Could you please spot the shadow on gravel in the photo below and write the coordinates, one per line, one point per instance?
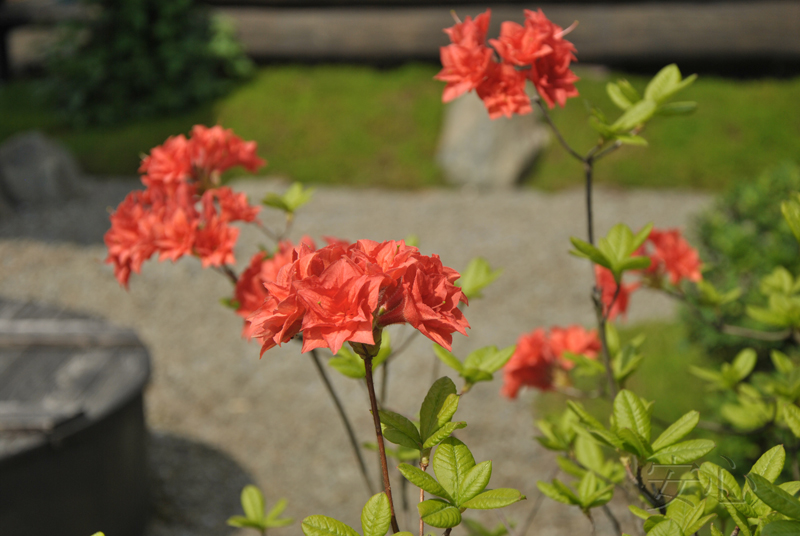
(82, 220)
(194, 487)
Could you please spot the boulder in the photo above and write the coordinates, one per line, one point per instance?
(480, 152)
(36, 170)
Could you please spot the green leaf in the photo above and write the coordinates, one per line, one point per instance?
(601, 127)
(628, 90)
(451, 462)
(700, 523)
(677, 108)
(636, 115)
(275, 201)
(791, 414)
(447, 410)
(325, 526)
(744, 363)
(423, 480)
(617, 96)
(638, 512)
(633, 442)
(434, 400)
(588, 251)
(495, 498)
(684, 452)
(558, 492)
(273, 521)
(588, 453)
(791, 212)
(297, 196)
(348, 364)
(630, 412)
(677, 431)
(475, 481)
(253, 503)
(376, 516)
(439, 514)
(447, 358)
(393, 435)
(477, 276)
(739, 519)
(780, 500)
(583, 415)
(781, 527)
(394, 420)
(663, 84)
(715, 531)
(770, 464)
(781, 361)
(719, 483)
(569, 467)
(666, 528)
(439, 435)
(489, 358)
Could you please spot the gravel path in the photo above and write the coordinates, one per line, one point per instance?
(222, 418)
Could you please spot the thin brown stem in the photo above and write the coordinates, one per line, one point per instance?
(613, 388)
(611, 517)
(228, 272)
(560, 138)
(267, 232)
(447, 532)
(345, 420)
(735, 531)
(387, 485)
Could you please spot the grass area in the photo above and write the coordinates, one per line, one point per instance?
(361, 126)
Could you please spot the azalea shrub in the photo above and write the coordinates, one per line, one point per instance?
(338, 301)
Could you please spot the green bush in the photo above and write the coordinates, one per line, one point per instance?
(142, 58)
(742, 238)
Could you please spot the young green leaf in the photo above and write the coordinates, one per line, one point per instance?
(791, 414)
(666, 528)
(273, 519)
(489, 358)
(376, 516)
(325, 526)
(451, 462)
(781, 361)
(783, 527)
(439, 514)
(780, 500)
(442, 433)
(791, 212)
(633, 443)
(744, 362)
(495, 498)
(630, 412)
(423, 480)
(677, 431)
(636, 115)
(253, 503)
(770, 464)
(404, 426)
(638, 512)
(434, 400)
(475, 481)
(477, 276)
(617, 96)
(677, 108)
(588, 251)
(718, 482)
(684, 452)
(637, 141)
(739, 519)
(560, 493)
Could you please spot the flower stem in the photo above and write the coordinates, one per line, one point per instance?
(424, 466)
(348, 427)
(387, 485)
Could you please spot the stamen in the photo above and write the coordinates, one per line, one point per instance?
(565, 31)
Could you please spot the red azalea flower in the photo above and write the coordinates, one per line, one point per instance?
(673, 255)
(521, 45)
(470, 33)
(550, 73)
(463, 68)
(503, 92)
(531, 365)
(130, 240)
(342, 293)
(608, 288)
(574, 339)
(233, 206)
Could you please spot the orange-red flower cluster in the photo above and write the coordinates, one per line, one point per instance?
(615, 302)
(182, 211)
(670, 254)
(535, 51)
(343, 292)
(540, 355)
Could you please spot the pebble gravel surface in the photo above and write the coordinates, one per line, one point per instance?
(221, 417)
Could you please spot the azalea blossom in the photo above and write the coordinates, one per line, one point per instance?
(535, 51)
(671, 254)
(539, 358)
(182, 211)
(614, 302)
(344, 293)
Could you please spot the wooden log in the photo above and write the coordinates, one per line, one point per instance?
(610, 32)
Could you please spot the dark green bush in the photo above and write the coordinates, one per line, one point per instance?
(141, 58)
(741, 239)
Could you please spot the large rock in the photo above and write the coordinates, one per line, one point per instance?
(36, 170)
(477, 151)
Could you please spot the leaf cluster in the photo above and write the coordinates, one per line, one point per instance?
(615, 249)
(376, 518)
(254, 512)
(477, 276)
(349, 364)
(479, 366)
(295, 197)
(460, 484)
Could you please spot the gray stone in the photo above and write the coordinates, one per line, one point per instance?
(477, 151)
(36, 170)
